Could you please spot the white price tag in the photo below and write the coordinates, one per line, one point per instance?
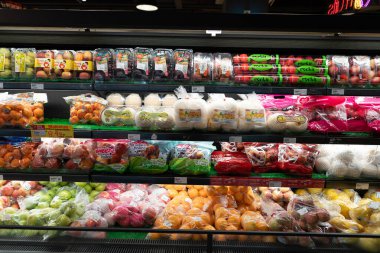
(337, 91)
(289, 140)
(153, 137)
(378, 195)
(36, 86)
(56, 179)
(302, 211)
(1, 177)
(235, 139)
(1, 85)
(274, 184)
(180, 180)
(362, 186)
(300, 92)
(374, 205)
(6, 217)
(197, 89)
(134, 137)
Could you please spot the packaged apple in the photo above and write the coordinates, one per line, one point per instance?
(259, 80)
(23, 63)
(142, 67)
(222, 113)
(191, 159)
(162, 65)
(306, 80)
(149, 157)
(231, 163)
(86, 109)
(246, 68)
(375, 71)
(123, 64)
(203, 64)
(356, 108)
(83, 65)
(111, 155)
(5, 63)
(223, 69)
(371, 107)
(339, 69)
(303, 60)
(183, 65)
(103, 59)
(251, 114)
(16, 153)
(190, 111)
(297, 159)
(49, 155)
(64, 64)
(256, 59)
(263, 156)
(155, 118)
(118, 116)
(78, 155)
(22, 110)
(360, 67)
(44, 64)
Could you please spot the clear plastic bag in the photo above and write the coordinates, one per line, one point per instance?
(5, 64)
(231, 163)
(23, 60)
(222, 113)
(118, 116)
(79, 155)
(111, 155)
(252, 115)
(153, 118)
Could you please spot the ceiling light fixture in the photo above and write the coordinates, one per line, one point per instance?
(147, 5)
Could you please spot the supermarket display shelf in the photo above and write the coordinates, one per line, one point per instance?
(78, 133)
(46, 85)
(361, 184)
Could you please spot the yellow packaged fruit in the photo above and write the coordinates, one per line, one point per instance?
(361, 214)
(345, 225)
(193, 193)
(372, 194)
(314, 190)
(253, 221)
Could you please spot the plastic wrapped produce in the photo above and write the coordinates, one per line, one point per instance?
(232, 147)
(44, 64)
(133, 100)
(253, 221)
(103, 59)
(23, 63)
(148, 157)
(142, 64)
(306, 80)
(371, 107)
(115, 99)
(303, 60)
(263, 156)
(256, 59)
(90, 219)
(191, 158)
(49, 155)
(203, 64)
(304, 70)
(183, 65)
(111, 155)
(246, 68)
(153, 118)
(231, 163)
(64, 65)
(222, 113)
(152, 99)
(162, 65)
(252, 115)
(339, 69)
(21, 110)
(86, 109)
(16, 153)
(169, 100)
(123, 64)
(5, 64)
(325, 113)
(118, 116)
(360, 68)
(190, 111)
(259, 80)
(280, 195)
(79, 155)
(222, 70)
(83, 65)
(356, 108)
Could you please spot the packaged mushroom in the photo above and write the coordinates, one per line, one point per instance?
(23, 63)
(190, 111)
(5, 64)
(251, 114)
(222, 113)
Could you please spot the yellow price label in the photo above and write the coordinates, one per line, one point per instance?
(52, 131)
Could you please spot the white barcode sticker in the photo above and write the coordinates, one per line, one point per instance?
(300, 92)
(36, 86)
(134, 137)
(153, 137)
(161, 67)
(302, 211)
(1, 85)
(374, 205)
(235, 139)
(289, 140)
(180, 180)
(181, 67)
(378, 195)
(337, 91)
(102, 67)
(142, 66)
(55, 179)
(274, 184)
(197, 89)
(362, 186)
(1, 177)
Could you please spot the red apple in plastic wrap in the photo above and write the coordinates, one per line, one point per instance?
(136, 220)
(6, 190)
(149, 214)
(38, 162)
(71, 165)
(86, 164)
(56, 150)
(114, 186)
(124, 222)
(52, 163)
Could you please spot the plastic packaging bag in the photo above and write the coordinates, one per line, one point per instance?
(44, 64)
(280, 195)
(297, 159)
(190, 111)
(360, 68)
(339, 69)
(222, 113)
(118, 116)
(223, 70)
(123, 64)
(356, 109)
(231, 163)
(259, 79)
(303, 80)
(16, 154)
(64, 64)
(79, 154)
(162, 65)
(49, 155)
(148, 157)
(85, 109)
(23, 60)
(5, 63)
(111, 155)
(263, 156)
(83, 65)
(143, 64)
(371, 107)
(245, 68)
(155, 118)
(191, 158)
(302, 60)
(232, 147)
(103, 59)
(183, 65)
(252, 115)
(203, 64)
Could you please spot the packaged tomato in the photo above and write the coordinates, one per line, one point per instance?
(16, 153)
(162, 65)
(303, 60)
(375, 71)
(86, 109)
(5, 64)
(257, 59)
(83, 65)
(79, 154)
(22, 61)
(246, 68)
(103, 58)
(44, 64)
(297, 159)
(360, 67)
(111, 155)
(142, 70)
(339, 69)
(263, 156)
(223, 70)
(202, 71)
(64, 64)
(183, 65)
(259, 80)
(123, 64)
(231, 163)
(306, 80)
(304, 70)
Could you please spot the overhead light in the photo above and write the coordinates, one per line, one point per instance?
(147, 5)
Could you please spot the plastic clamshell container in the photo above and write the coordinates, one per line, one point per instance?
(360, 67)
(223, 69)
(202, 71)
(23, 63)
(142, 69)
(183, 65)
(5, 63)
(83, 65)
(64, 65)
(339, 69)
(103, 59)
(162, 65)
(44, 65)
(123, 64)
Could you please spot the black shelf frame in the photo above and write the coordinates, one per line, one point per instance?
(47, 85)
(78, 133)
